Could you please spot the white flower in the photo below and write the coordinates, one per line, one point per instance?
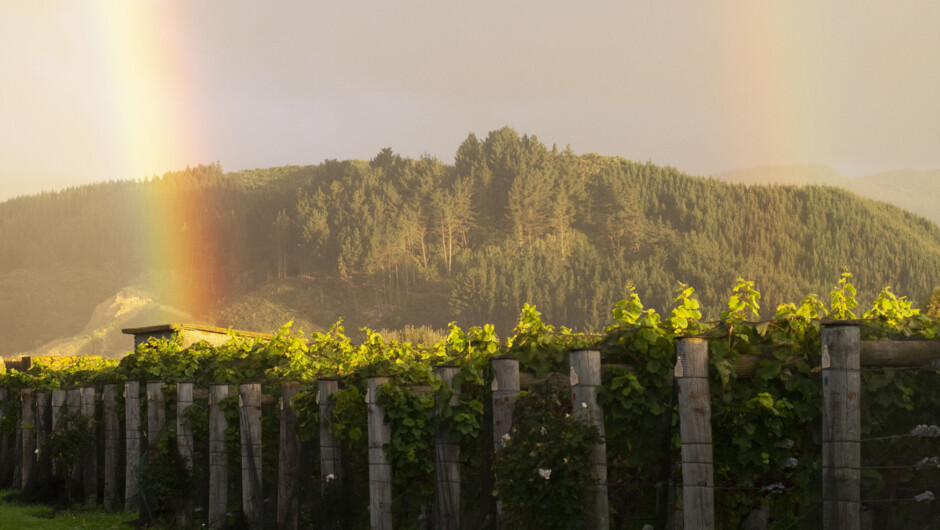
(776, 487)
(36, 451)
(330, 477)
(545, 473)
(583, 405)
(544, 431)
(506, 437)
(928, 463)
(567, 415)
(925, 431)
(926, 496)
(565, 459)
(791, 462)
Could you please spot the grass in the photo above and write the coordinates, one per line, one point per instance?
(16, 516)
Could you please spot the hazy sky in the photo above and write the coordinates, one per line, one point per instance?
(126, 89)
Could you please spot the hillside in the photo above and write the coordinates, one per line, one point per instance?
(915, 191)
(394, 241)
(101, 335)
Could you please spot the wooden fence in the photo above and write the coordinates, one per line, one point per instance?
(842, 355)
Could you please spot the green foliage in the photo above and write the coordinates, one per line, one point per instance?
(766, 425)
(64, 445)
(41, 517)
(842, 298)
(165, 482)
(684, 317)
(542, 470)
(628, 312)
(411, 452)
(348, 422)
(538, 346)
(744, 299)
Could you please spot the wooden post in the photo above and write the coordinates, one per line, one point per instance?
(218, 459)
(184, 445)
(446, 462)
(90, 456)
(329, 448)
(156, 411)
(288, 462)
(132, 444)
(58, 401)
(112, 447)
(695, 429)
(28, 422)
(249, 419)
(18, 454)
(505, 390)
(380, 469)
(6, 467)
(585, 372)
(43, 428)
(841, 436)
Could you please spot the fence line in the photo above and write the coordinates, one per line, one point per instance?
(840, 446)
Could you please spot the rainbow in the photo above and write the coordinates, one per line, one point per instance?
(761, 85)
(155, 120)
(183, 249)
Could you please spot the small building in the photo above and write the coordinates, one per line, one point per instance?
(189, 334)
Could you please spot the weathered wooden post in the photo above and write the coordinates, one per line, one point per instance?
(58, 401)
(380, 469)
(288, 461)
(18, 451)
(28, 422)
(446, 461)
(249, 419)
(73, 402)
(218, 459)
(112, 446)
(585, 373)
(6, 460)
(695, 429)
(184, 444)
(329, 448)
(132, 444)
(156, 411)
(90, 453)
(43, 428)
(841, 436)
(73, 407)
(505, 390)
(156, 425)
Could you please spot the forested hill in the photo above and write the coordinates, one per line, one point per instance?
(916, 191)
(396, 241)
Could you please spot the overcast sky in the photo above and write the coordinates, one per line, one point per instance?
(115, 89)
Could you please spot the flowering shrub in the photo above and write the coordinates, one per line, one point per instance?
(542, 470)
